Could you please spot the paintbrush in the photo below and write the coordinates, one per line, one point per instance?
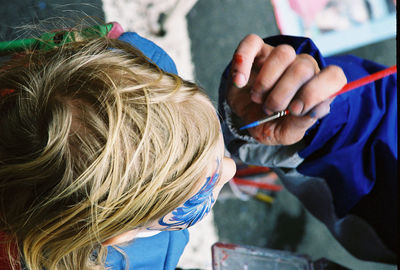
(348, 87)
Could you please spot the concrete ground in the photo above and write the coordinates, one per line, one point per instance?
(201, 36)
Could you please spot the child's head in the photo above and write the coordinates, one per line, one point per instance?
(96, 141)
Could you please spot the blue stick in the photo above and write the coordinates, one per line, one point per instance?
(254, 124)
(267, 119)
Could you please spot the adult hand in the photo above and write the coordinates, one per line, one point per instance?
(268, 79)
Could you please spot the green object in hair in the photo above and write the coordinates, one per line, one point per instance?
(55, 39)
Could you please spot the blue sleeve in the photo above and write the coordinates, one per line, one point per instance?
(347, 146)
(159, 252)
(151, 51)
(354, 148)
(356, 144)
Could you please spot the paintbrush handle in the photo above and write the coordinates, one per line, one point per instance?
(365, 80)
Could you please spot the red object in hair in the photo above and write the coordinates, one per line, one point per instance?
(6, 91)
(116, 31)
(4, 261)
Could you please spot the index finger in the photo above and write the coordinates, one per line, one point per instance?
(250, 48)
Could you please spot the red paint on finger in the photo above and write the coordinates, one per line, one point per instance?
(238, 58)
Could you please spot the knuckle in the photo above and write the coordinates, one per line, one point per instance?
(303, 69)
(337, 73)
(285, 53)
(309, 61)
(306, 57)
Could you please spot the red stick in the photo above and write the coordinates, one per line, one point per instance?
(252, 171)
(367, 79)
(266, 186)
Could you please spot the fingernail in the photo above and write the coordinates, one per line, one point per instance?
(239, 80)
(296, 107)
(256, 96)
(320, 111)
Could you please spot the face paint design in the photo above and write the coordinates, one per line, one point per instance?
(194, 209)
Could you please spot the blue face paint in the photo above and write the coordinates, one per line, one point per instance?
(194, 209)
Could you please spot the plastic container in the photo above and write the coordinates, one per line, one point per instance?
(241, 257)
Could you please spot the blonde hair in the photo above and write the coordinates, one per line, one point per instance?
(95, 141)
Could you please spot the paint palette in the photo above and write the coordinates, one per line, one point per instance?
(235, 257)
(241, 257)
